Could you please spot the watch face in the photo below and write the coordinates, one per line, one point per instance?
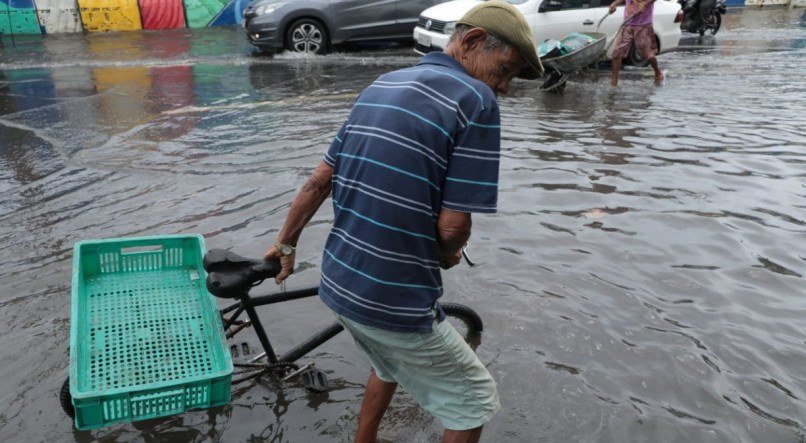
(286, 250)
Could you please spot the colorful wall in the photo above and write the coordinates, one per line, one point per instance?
(58, 16)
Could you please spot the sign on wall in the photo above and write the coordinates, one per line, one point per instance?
(18, 17)
(232, 14)
(57, 16)
(162, 14)
(110, 15)
(200, 13)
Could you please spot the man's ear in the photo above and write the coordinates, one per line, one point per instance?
(473, 37)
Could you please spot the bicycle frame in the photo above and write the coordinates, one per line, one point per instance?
(248, 304)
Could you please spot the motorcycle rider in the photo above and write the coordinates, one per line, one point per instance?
(701, 15)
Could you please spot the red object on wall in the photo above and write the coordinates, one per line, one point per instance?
(162, 14)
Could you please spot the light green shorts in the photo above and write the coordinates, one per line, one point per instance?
(438, 369)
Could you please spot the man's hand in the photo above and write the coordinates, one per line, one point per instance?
(613, 7)
(450, 261)
(286, 262)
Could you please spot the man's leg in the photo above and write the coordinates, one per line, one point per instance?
(376, 399)
(468, 436)
(653, 61)
(624, 40)
(614, 72)
(646, 43)
(439, 370)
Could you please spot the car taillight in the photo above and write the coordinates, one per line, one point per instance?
(679, 17)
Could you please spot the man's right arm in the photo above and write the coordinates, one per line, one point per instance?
(307, 202)
(453, 231)
(616, 4)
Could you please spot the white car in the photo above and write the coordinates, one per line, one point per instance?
(551, 19)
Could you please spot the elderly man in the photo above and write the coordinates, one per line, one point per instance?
(418, 153)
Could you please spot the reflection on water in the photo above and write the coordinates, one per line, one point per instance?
(643, 280)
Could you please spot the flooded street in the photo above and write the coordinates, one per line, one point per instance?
(643, 280)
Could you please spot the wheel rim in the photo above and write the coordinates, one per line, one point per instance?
(307, 38)
(472, 338)
(717, 21)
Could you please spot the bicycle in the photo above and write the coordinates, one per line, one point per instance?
(231, 276)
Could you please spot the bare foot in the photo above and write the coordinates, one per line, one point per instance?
(614, 83)
(658, 78)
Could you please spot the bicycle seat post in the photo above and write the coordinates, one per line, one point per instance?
(248, 306)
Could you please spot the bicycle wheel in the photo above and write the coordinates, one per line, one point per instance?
(66, 400)
(466, 322)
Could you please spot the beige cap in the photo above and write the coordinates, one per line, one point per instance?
(504, 21)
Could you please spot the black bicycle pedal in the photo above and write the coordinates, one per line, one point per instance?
(315, 380)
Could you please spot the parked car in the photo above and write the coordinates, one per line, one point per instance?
(551, 19)
(313, 26)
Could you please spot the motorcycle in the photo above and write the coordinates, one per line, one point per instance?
(700, 16)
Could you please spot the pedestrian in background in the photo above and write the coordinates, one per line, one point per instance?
(638, 31)
(418, 154)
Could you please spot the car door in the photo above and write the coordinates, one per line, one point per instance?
(408, 12)
(611, 24)
(354, 19)
(559, 18)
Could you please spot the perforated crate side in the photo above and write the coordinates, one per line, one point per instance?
(139, 254)
(103, 411)
(107, 382)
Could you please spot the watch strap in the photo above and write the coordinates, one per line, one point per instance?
(282, 247)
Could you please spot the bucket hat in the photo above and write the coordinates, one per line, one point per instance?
(504, 21)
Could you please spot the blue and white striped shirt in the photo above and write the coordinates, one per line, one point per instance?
(417, 140)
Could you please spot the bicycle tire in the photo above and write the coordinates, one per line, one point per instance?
(468, 316)
(66, 399)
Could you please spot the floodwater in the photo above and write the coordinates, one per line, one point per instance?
(642, 281)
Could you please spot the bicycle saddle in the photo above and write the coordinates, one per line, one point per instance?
(231, 276)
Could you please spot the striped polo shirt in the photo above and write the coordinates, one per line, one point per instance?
(417, 140)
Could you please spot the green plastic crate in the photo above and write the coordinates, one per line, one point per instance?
(146, 339)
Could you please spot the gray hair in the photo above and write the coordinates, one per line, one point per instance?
(491, 42)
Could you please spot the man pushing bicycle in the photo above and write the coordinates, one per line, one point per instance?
(417, 155)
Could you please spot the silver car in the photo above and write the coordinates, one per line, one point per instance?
(313, 26)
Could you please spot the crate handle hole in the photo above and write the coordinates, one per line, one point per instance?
(140, 249)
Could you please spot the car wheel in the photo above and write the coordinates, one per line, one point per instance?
(634, 58)
(306, 36)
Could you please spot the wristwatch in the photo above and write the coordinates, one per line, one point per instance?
(284, 249)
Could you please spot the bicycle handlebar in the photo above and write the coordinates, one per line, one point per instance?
(231, 276)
